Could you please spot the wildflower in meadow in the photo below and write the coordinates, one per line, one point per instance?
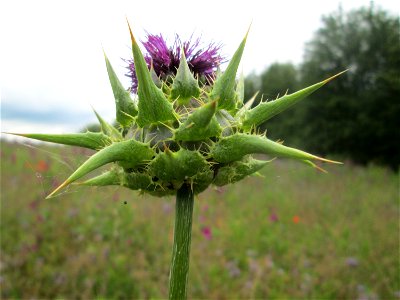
(55, 183)
(233, 269)
(296, 219)
(33, 205)
(167, 208)
(206, 231)
(204, 208)
(42, 166)
(13, 158)
(352, 261)
(39, 218)
(115, 197)
(273, 217)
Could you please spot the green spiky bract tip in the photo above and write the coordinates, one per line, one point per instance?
(266, 110)
(91, 140)
(126, 109)
(153, 105)
(224, 87)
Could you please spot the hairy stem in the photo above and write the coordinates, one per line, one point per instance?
(179, 272)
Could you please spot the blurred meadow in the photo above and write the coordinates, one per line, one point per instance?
(293, 233)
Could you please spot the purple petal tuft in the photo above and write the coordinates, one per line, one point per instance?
(202, 62)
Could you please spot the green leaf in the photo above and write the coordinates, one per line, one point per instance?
(154, 77)
(91, 140)
(138, 181)
(224, 86)
(184, 86)
(132, 180)
(266, 110)
(154, 107)
(240, 90)
(243, 110)
(108, 178)
(238, 170)
(177, 166)
(125, 108)
(201, 124)
(202, 180)
(108, 129)
(236, 146)
(129, 153)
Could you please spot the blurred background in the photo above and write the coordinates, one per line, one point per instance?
(313, 236)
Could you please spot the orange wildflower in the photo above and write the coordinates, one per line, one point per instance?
(42, 166)
(296, 219)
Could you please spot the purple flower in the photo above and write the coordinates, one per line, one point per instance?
(115, 197)
(273, 217)
(203, 62)
(206, 231)
(233, 269)
(352, 261)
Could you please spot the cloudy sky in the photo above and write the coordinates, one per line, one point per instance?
(52, 67)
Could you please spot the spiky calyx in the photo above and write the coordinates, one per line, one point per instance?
(181, 133)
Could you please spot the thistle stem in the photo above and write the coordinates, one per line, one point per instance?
(179, 272)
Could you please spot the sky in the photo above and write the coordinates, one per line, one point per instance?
(52, 69)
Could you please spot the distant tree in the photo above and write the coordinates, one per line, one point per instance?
(93, 127)
(357, 114)
(275, 81)
(278, 79)
(251, 85)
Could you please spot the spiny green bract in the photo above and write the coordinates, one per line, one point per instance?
(181, 133)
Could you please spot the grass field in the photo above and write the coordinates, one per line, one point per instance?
(294, 234)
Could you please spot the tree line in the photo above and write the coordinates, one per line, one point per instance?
(355, 116)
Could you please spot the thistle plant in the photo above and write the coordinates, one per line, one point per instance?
(186, 128)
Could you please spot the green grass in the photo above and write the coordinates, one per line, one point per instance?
(88, 244)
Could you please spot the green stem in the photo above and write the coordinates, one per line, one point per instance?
(178, 276)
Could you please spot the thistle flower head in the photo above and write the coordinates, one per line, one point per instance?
(165, 60)
(184, 132)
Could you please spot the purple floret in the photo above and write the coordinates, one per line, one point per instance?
(202, 62)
